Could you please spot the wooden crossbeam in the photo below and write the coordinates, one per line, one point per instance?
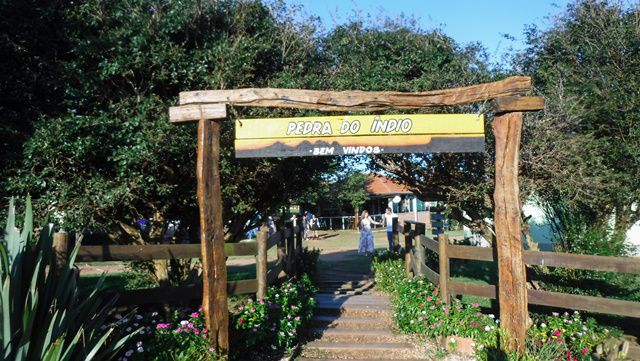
(517, 104)
(358, 100)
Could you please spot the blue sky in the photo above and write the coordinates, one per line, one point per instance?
(465, 21)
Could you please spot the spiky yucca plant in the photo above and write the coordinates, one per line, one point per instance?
(44, 316)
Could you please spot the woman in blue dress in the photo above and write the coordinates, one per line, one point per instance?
(366, 235)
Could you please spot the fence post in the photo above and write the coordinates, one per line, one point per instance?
(396, 238)
(261, 262)
(282, 250)
(61, 249)
(443, 257)
(298, 240)
(290, 251)
(408, 248)
(419, 254)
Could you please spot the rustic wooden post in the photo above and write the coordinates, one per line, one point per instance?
(261, 262)
(61, 249)
(282, 250)
(408, 249)
(298, 240)
(214, 269)
(419, 254)
(290, 251)
(396, 238)
(443, 242)
(512, 290)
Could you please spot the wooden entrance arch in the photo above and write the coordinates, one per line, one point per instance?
(509, 99)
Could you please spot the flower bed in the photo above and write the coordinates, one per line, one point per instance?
(419, 310)
(274, 323)
(266, 327)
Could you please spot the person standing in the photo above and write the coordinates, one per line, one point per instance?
(314, 225)
(388, 220)
(366, 235)
(308, 217)
(304, 225)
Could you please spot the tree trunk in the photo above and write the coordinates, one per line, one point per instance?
(356, 218)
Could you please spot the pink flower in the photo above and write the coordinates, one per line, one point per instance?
(475, 324)
(190, 324)
(195, 315)
(557, 332)
(475, 304)
(429, 298)
(584, 351)
(241, 321)
(253, 309)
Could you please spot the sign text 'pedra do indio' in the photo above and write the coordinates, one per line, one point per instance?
(359, 134)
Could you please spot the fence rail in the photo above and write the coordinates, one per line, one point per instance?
(288, 241)
(417, 244)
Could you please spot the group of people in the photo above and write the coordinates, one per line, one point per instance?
(310, 225)
(366, 244)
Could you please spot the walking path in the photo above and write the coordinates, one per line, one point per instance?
(354, 322)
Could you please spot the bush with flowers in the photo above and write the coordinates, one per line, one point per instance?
(577, 336)
(389, 270)
(419, 309)
(179, 337)
(274, 323)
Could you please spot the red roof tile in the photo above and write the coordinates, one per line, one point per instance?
(381, 185)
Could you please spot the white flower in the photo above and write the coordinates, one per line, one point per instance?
(140, 350)
(480, 347)
(543, 325)
(184, 323)
(492, 316)
(139, 344)
(487, 328)
(273, 347)
(424, 312)
(138, 317)
(128, 353)
(452, 340)
(154, 314)
(128, 329)
(411, 321)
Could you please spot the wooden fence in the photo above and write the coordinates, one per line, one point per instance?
(417, 244)
(288, 241)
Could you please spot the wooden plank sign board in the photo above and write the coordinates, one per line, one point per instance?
(359, 134)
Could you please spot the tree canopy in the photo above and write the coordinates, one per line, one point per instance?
(85, 91)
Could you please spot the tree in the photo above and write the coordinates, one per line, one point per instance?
(397, 55)
(353, 191)
(584, 151)
(112, 157)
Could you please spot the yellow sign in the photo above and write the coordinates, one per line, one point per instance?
(359, 134)
(360, 125)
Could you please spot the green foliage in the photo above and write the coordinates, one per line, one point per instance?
(577, 336)
(389, 270)
(275, 322)
(307, 263)
(586, 66)
(352, 189)
(111, 156)
(183, 338)
(576, 234)
(418, 309)
(44, 315)
(180, 336)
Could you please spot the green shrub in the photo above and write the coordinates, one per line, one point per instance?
(181, 336)
(44, 314)
(389, 270)
(578, 336)
(274, 323)
(419, 309)
(307, 263)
